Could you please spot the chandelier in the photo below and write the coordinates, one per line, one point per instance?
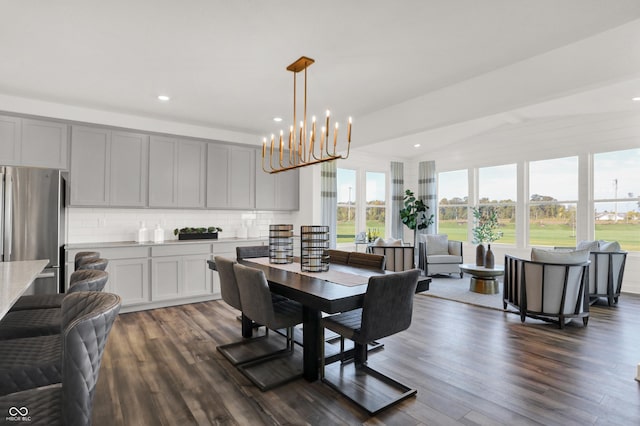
(304, 149)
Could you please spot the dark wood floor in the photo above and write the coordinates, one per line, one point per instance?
(471, 366)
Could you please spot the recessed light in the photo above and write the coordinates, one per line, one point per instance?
(636, 99)
(163, 98)
(277, 119)
(417, 145)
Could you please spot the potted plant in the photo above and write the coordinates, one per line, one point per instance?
(485, 230)
(414, 213)
(197, 233)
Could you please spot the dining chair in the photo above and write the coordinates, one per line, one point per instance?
(246, 349)
(366, 260)
(339, 257)
(82, 280)
(32, 321)
(87, 320)
(387, 310)
(255, 299)
(252, 252)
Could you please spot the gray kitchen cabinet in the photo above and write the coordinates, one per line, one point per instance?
(36, 143)
(180, 271)
(108, 168)
(230, 177)
(176, 173)
(279, 191)
(10, 130)
(128, 169)
(44, 144)
(129, 278)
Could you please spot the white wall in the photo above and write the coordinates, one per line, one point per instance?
(544, 139)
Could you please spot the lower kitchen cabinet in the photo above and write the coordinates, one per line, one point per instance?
(129, 278)
(179, 271)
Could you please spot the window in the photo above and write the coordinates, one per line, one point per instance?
(497, 190)
(553, 196)
(376, 203)
(616, 193)
(346, 216)
(453, 191)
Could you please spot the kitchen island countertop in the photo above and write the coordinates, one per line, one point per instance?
(16, 277)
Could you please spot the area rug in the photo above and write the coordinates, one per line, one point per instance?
(457, 289)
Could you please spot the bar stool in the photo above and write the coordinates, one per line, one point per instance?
(88, 319)
(44, 322)
(84, 255)
(93, 263)
(82, 280)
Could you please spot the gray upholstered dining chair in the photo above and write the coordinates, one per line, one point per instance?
(87, 321)
(248, 252)
(366, 260)
(387, 309)
(256, 302)
(29, 320)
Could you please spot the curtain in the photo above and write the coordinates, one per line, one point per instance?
(329, 198)
(428, 191)
(397, 196)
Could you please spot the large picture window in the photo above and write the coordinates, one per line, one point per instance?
(497, 190)
(616, 193)
(553, 197)
(376, 202)
(346, 215)
(453, 194)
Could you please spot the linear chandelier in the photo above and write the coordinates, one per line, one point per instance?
(302, 148)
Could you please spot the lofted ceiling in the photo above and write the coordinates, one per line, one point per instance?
(399, 68)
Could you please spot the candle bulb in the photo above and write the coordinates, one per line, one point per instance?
(349, 131)
(281, 146)
(327, 126)
(335, 138)
(310, 145)
(322, 141)
(264, 147)
(272, 139)
(290, 136)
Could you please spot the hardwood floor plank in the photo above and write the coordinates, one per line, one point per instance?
(470, 365)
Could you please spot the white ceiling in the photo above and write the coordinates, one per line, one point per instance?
(393, 66)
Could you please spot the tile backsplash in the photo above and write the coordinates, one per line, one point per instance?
(92, 225)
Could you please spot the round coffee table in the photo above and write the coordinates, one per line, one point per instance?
(483, 280)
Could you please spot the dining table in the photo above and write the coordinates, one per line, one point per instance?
(340, 289)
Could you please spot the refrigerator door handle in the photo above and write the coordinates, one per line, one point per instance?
(1, 216)
(8, 224)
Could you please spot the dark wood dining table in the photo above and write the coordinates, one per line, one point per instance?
(316, 296)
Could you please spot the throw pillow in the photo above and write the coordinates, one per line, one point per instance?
(437, 244)
(587, 245)
(559, 256)
(609, 246)
(379, 242)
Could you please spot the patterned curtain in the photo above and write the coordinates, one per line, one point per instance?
(397, 195)
(428, 191)
(329, 199)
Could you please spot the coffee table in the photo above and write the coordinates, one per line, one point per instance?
(483, 280)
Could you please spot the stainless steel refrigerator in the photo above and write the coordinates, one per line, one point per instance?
(32, 221)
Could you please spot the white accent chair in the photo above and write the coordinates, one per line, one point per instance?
(551, 287)
(438, 255)
(606, 269)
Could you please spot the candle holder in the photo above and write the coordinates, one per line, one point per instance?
(280, 244)
(314, 242)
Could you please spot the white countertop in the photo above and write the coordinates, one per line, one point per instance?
(82, 246)
(15, 278)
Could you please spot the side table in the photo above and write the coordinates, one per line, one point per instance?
(483, 280)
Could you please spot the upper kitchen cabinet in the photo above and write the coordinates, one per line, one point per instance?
(230, 177)
(279, 191)
(108, 168)
(176, 173)
(37, 143)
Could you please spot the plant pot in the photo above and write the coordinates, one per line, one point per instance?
(480, 254)
(203, 236)
(489, 260)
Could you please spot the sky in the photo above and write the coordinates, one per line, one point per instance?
(375, 187)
